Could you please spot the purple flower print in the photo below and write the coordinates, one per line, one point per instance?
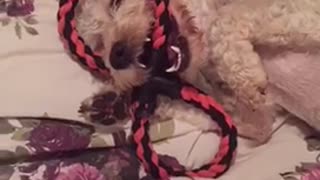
(57, 137)
(20, 8)
(312, 174)
(19, 12)
(171, 161)
(78, 172)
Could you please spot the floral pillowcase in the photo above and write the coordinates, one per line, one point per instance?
(19, 12)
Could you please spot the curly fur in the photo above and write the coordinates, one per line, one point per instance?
(243, 30)
(223, 36)
(101, 25)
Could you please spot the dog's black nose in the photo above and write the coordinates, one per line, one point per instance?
(120, 56)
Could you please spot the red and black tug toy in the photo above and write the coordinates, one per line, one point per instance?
(144, 97)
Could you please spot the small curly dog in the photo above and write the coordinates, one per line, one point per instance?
(118, 30)
(215, 39)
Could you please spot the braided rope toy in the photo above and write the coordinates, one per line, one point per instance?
(144, 97)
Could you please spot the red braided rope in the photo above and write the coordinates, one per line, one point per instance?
(216, 167)
(159, 40)
(73, 42)
(146, 153)
(142, 142)
(144, 149)
(158, 35)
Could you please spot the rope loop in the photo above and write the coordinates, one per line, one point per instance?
(144, 104)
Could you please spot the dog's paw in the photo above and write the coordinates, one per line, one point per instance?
(106, 108)
(254, 124)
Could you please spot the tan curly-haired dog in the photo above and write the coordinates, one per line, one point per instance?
(119, 28)
(217, 41)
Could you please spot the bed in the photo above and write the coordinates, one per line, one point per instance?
(43, 137)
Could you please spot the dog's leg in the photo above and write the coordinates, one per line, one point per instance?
(241, 69)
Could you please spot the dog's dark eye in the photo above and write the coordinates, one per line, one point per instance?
(115, 3)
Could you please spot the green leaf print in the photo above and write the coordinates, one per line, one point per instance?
(30, 20)
(22, 134)
(31, 30)
(6, 127)
(18, 30)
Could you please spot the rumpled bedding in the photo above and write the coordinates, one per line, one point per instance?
(44, 138)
